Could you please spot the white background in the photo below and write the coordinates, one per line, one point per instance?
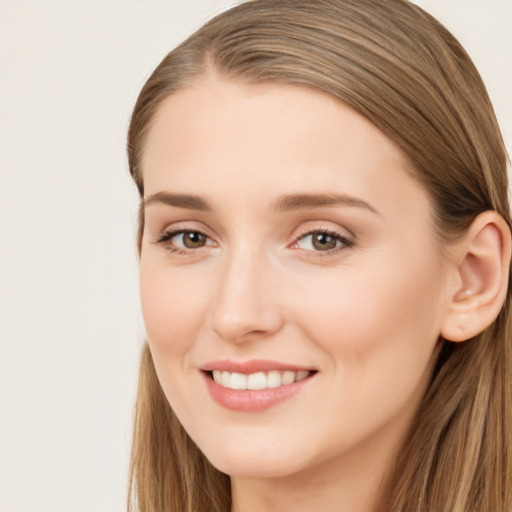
(70, 327)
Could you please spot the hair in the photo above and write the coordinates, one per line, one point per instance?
(401, 69)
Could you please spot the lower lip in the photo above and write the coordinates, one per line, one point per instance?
(247, 400)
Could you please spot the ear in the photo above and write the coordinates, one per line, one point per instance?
(481, 268)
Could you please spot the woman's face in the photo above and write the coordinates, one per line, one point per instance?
(284, 241)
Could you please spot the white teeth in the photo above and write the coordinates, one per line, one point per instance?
(258, 380)
(273, 379)
(238, 381)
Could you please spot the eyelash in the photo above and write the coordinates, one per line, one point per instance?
(345, 242)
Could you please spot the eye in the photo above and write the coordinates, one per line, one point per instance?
(184, 240)
(189, 239)
(322, 241)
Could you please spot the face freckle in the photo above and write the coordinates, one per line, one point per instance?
(358, 308)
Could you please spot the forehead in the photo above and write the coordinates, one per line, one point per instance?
(219, 135)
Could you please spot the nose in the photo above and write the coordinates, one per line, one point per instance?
(246, 306)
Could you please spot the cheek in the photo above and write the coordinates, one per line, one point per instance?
(387, 310)
(173, 311)
(172, 308)
(379, 329)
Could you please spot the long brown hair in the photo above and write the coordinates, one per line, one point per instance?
(394, 64)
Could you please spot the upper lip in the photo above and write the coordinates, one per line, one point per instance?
(253, 366)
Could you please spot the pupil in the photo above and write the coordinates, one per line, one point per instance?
(324, 241)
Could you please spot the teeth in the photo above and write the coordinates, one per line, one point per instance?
(274, 379)
(288, 378)
(256, 381)
(259, 380)
(238, 381)
(302, 374)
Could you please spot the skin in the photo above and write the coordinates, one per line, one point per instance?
(367, 316)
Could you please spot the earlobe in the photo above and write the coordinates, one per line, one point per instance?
(482, 267)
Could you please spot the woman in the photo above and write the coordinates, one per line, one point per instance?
(324, 248)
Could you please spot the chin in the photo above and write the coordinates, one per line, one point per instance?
(255, 463)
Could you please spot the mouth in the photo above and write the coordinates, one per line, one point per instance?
(257, 381)
(256, 385)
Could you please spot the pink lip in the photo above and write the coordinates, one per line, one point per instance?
(253, 366)
(251, 400)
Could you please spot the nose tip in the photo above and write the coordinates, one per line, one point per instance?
(240, 328)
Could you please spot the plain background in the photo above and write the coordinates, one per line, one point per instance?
(70, 326)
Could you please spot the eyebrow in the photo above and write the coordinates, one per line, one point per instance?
(186, 201)
(308, 201)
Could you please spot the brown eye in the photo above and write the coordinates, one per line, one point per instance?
(323, 241)
(183, 240)
(192, 239)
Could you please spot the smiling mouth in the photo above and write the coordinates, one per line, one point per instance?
(258, 380)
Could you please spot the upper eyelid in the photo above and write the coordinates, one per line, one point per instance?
(331, 231)
(323, 228)
(182, 226)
